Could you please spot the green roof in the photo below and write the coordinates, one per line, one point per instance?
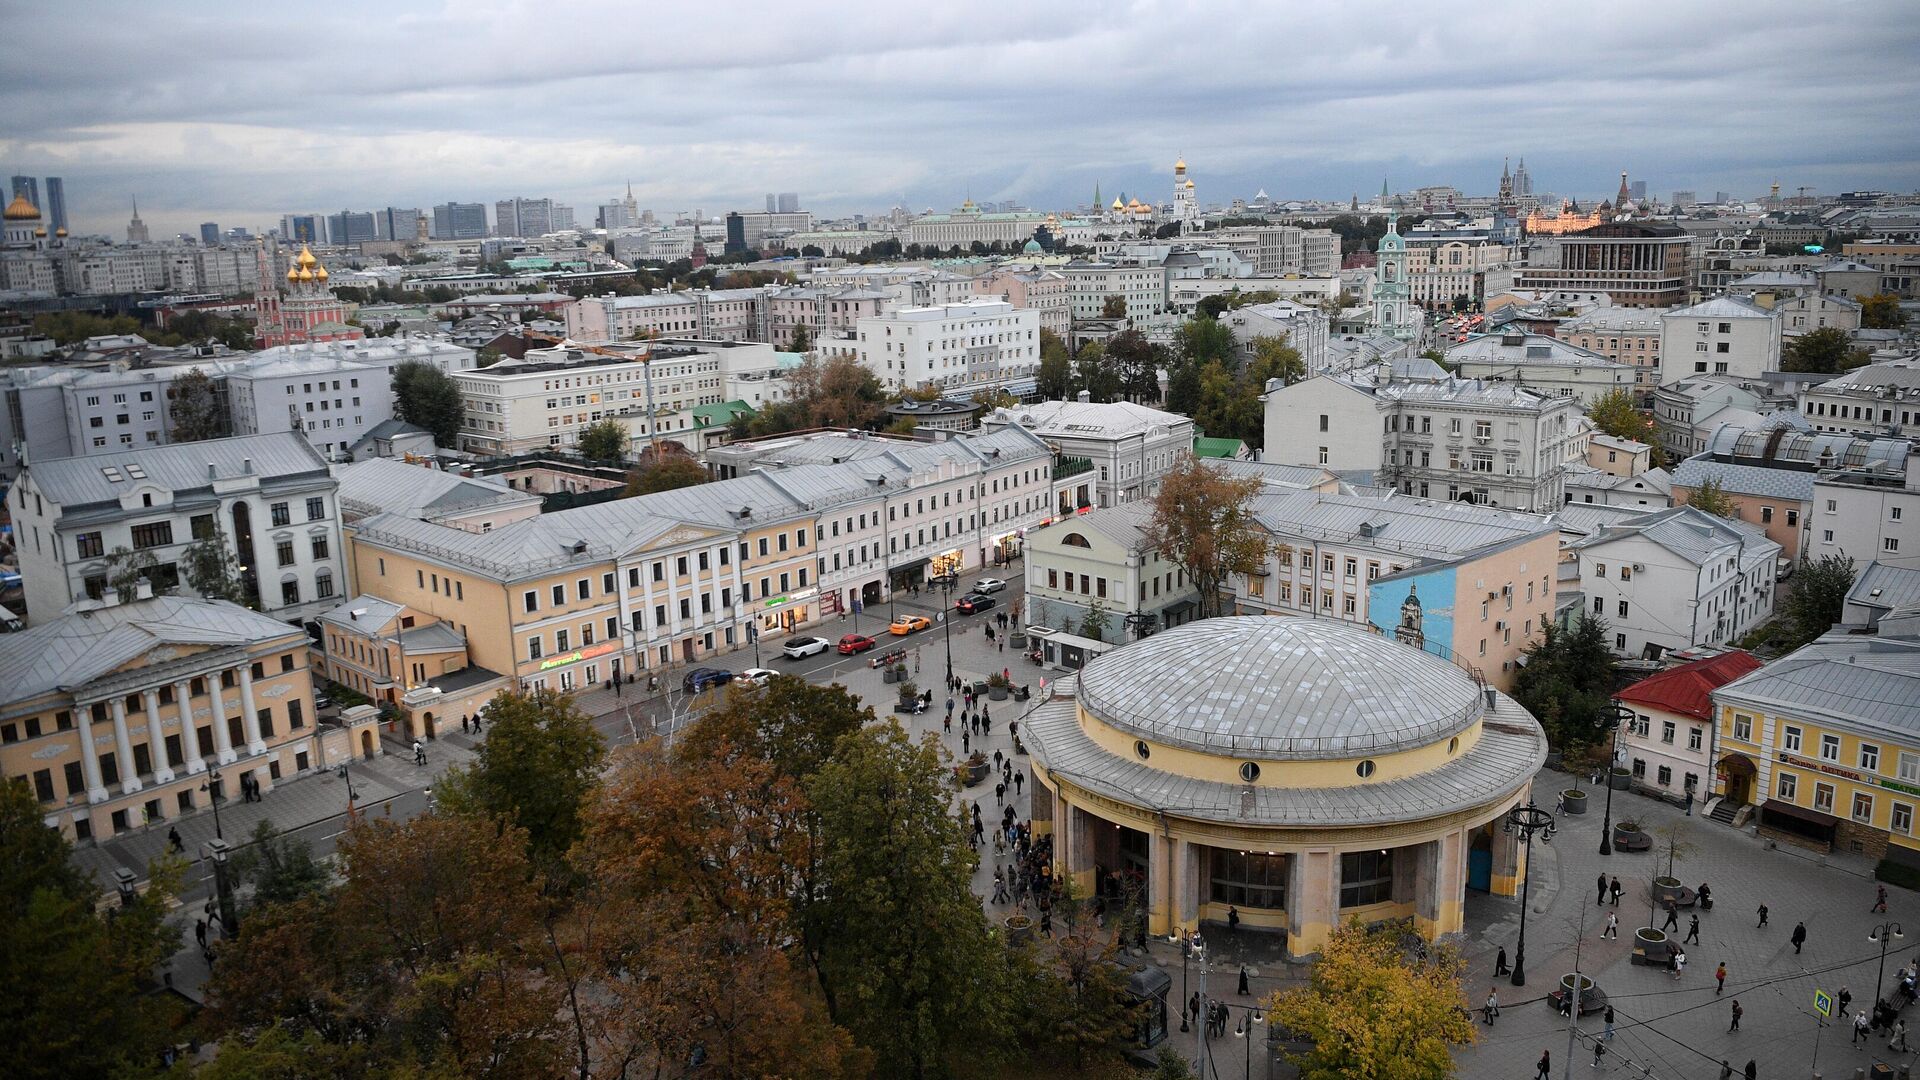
(709, 415)
(1217, 448)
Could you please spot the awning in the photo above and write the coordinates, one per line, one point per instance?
(1179, 607)
(1811, 817)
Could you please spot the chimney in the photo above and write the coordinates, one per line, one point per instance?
(143, 590)
(1085, 396)
(213, 473)
(246, 466)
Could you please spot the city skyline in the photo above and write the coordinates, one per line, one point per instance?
(205, 117)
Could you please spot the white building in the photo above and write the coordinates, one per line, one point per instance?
(971, 225)
(1044, 291)
(333, 400)
(976, 345)
(713, 314)
(1144, 288)
(1454, 439)
(1669, 746)
(1109, 454)
(1878, 399)
(1722, 336)
(1868, 513)
(1648, 490)
(1624, 335)
(1677, 578)
(1100, 562)
(1305, 328)
(269, 495)
(1541, 363)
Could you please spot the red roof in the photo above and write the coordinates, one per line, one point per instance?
(1688, 689)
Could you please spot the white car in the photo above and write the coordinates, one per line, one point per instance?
(755, 676)
(799, 647)
(989, 585)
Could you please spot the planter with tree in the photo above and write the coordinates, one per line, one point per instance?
(1620, 778)
(909, 699)
(1651, 946)
(1573, 801)
(973, 770)
(1019, 929)
(1629, 836)
(997, 686)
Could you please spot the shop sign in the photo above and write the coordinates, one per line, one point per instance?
(1825, 767)
(791, 598)
(578, 655)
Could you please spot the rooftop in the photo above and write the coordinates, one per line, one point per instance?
(178, 467)
(1421, 528)
(388, 486)
(1085, 419)
(1688, 689)
(1722, 307)
(1885, 588)
(1693, 535)
(1859, 681)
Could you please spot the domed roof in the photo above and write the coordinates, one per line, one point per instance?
(307, 257)
(1032, 247)
(293, 273)
(320, 273)
(40, 231)
(61, 231)
(1180, 166)
(1189, 185)
(1116, 203)
(20, 210)
(1266, 686)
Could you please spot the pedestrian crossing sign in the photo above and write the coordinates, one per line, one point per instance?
(1823, 1002)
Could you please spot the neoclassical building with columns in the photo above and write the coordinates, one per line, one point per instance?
(115, 714)
(1297, 771)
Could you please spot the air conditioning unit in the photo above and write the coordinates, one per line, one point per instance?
(1500, 625)
(1639, 568)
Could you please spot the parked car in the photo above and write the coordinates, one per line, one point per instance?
(989, 585)
(322, 701)
(702, 678)
(973, 602)
(799, 647)
(756, 676)
(907, 624)
(855, 643)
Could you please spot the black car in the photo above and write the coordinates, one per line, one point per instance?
(701, 678)
(973, 602)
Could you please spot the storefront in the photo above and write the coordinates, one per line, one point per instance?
(1007, 547)
(786, 612)
(947, 562)
(580, 668)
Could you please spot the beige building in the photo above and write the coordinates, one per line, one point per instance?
(1044, 291)
(118, 716)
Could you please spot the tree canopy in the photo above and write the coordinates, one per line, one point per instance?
(604, 440)
(535, 770)
(1567, 683)
(1370, 1011)
(1054, 381)
(1826, 351)
(1615, 414)
(193, 414)
(1203, 522)
(1711, 498)
(1881, 311)
(426, 396)
(1817, 598)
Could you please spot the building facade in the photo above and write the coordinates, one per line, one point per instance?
(978, 345)
(1110, 453)
(1669, 746)
(1637, 264)
(1677, 578)
(1722, 336)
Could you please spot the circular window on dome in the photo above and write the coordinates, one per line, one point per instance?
(1453, 744)
(1249, 771)
(1141, 750)
(1365, 768)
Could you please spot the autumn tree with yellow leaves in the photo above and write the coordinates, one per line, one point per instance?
(1373, 1013)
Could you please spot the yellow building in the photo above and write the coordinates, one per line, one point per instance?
(1825, 742)
(92, 706)
(1298, 772)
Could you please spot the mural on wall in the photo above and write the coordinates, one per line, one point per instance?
(1415, 609)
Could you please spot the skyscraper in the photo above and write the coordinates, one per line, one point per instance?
(28, 188)
(350, 227)
(303, 228)
(773, 201)
(789, 203)
(1522, 180)
(136, 229)
(396, 224)
(459, 221)
(57, 202)
(210, 233)
(523, 217)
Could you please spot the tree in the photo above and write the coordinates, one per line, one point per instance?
(1077, 1017)
(1096, 623)
(1092, 373)
(1274, 358)
(1113, 307)
(1203, 522)
(1368, 1011)
(77, 986)
(1881, 311)
(1826, 351)
(802, 339)
(604, 440)
(917, 975)
(665, 473)
(1567, 683)
(1054, 381)
(1711, 498)
(1136, 364)
(1614, 413)
(1818, 597)
(536, 769)
(425, 396)
(1201, 340)
(127, 568)
(280, 869)
(193, 415)
(210, 569)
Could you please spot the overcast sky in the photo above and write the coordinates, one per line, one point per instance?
(238, 112)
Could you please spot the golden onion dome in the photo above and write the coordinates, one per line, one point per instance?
(320, 273)
(1189, 185)
(1116, 203)
(61, 231)
(20, 210)
(41, 232)
(293, 273)
(1180, 166)
(306, 256)
(305, 274)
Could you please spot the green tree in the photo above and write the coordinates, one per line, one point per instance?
(604, 440)
(1826, 351)
(127, 568)
(1054, 381)
(1136, 364)
(1092, 373)
(1203, 522)
(1818, 597)
(1201, 340)
(1077, 1017)
(280, 868)
(1614, 413)
(538, 766)
(1097, 622)
(1711, 498)
(427, 397)
(916, 971)
(1368, 1011)
(1273, 358)
(210, 569)
(802, 339)
(78, 987)
(668, 472)
(1881, 311)
(193, 414)
(1113, 307)
(1567, 683)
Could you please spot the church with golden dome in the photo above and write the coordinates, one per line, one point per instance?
(309, 311)
(25, 230)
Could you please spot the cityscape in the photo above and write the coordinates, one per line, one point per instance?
(1069, 542)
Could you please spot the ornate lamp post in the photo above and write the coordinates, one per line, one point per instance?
(1526, 820)
(215, 788)
(1621, 716)
(1880, 936)
(947, 582)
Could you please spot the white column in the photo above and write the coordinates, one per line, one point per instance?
(248, 719)
(189, 733)
(90, 755)
(222, 735)
(162, 767)
(123, 747)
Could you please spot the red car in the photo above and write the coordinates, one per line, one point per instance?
(855, 643)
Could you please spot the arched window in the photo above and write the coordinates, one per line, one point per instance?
(1074, 540)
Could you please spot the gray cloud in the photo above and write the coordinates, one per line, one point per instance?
(238, 112)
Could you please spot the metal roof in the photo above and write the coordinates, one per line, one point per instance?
(1694, 535)
(1787, 484)
(180, 467)
(387, 486)
(1417, 527)
(1886, 587)
(1857, 681)
(363, 614)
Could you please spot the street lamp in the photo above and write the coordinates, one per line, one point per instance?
(344, 774)
(1526, 820)
(1879, 936)
(217, 851)
(1248, 1022)
(947, 582)
(1621, 717)
(215, 789)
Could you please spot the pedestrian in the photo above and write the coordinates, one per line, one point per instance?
(1673, 917)
(996, 760)
(1689, 802)
(1899, 1040)
(1706, 897)
(1545, 1066)
(1879, 900)
(1600, 890)
(1500, 963)
(1799, 937)
(1737, 1010)
(1599, 1051)
(1613, 927)
(173, 839)
(1560, 804)
(999, 794)
(1609, 1018)
(1614, 890)
(1492, 1009)
(947, 725)
(419, 753)
(1752, 1070)
(200, 932)
(1244, 992)
(1720, 978)
(1679, 963)
(966, 743)
(476, 723)
(916, 660)
(1763, 917)
(1845, 998)
(1693, 931)
(1233, 919)
(1018, 779)
(1193, 1006)
(1726, 1069)
(463, 723)
(1860, 1027)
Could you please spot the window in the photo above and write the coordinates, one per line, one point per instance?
(323, 583)
(316, 509)
(1830, 747)
(1869, 757)
(1623, 609)
(559, 596)
(283, 552)
(1665, 775)
(1247, 878)
(1366, 877)
(289, 592)
(1789, 737)
(203, 527)
(153, 534)
(320, 547)
(1667, 729)
(1862, 807)
(1785, 785)
(1823, 798)
(1695, 737)
(1902, 819)
(1909, 768)
(280, 514)
(531, 600)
